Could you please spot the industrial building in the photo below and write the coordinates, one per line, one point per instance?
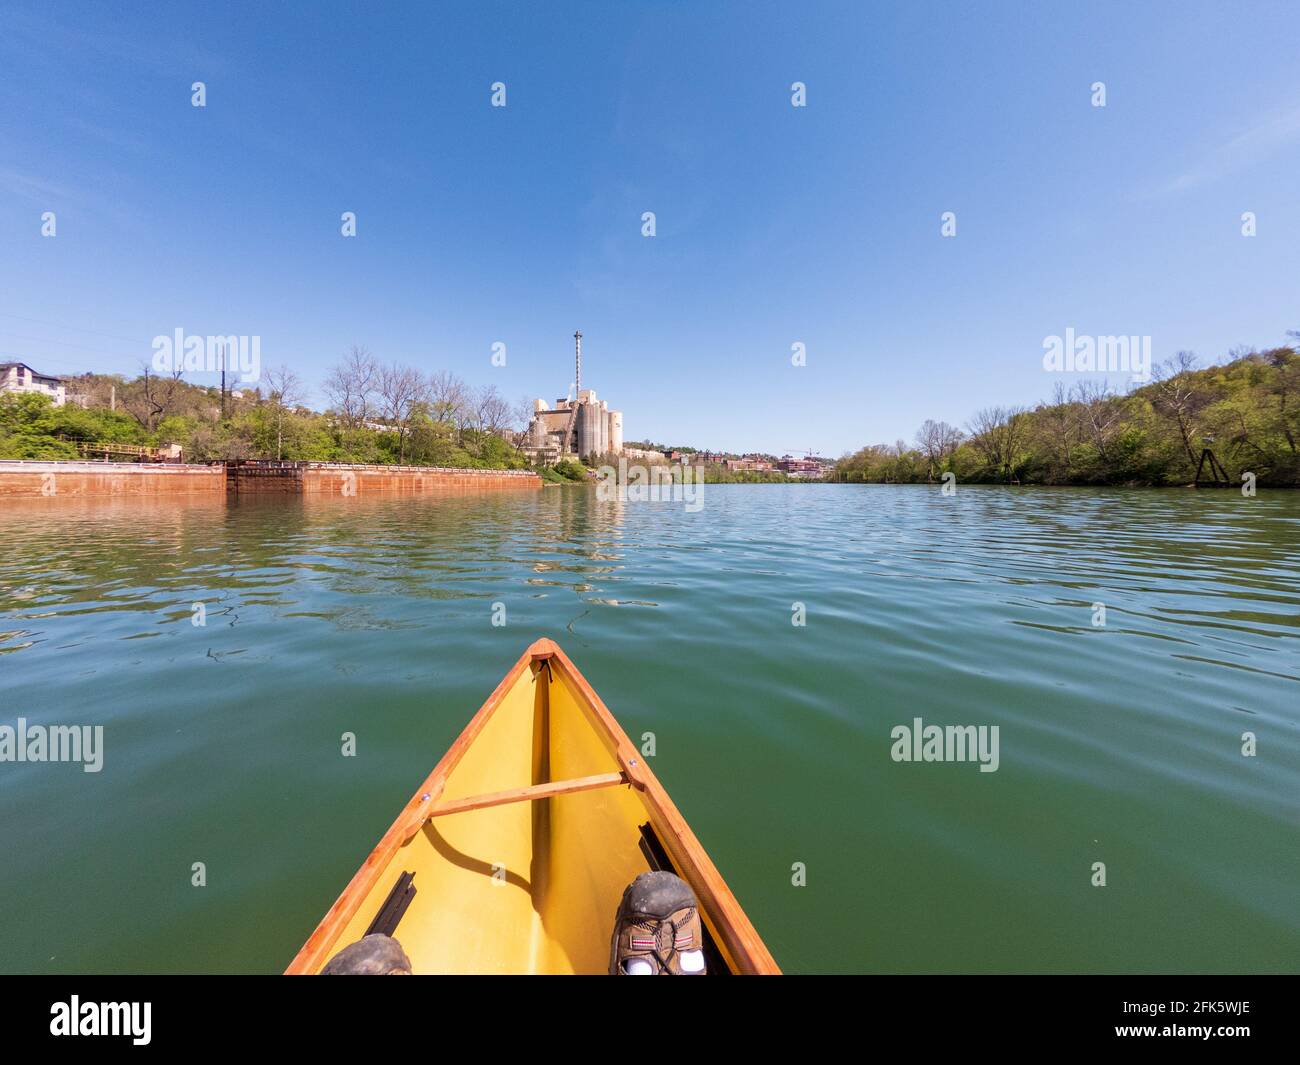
(577, 427)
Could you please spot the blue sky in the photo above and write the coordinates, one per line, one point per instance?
(775, 224)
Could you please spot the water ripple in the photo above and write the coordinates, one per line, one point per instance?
(1121, 742)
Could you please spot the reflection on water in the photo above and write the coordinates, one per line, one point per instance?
(1120, 743)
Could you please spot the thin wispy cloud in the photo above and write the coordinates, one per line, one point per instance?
(1253, 146)
(34, 189)
(30, 31)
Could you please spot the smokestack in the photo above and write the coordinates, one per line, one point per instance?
(577, 340)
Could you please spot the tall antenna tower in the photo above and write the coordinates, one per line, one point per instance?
(577, 340)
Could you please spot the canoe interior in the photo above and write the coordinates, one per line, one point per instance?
(530, 886)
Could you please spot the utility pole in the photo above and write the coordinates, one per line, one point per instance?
(223, 382)
(112, 398)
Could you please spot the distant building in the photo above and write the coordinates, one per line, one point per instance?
(750, 462)
(573, 427)
(803, 469)
(19, 377)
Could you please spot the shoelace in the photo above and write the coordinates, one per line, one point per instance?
(665, 967)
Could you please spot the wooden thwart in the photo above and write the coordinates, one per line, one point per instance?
(536, 791)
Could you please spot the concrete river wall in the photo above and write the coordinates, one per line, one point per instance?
(322, 478)
(103, 479)
(83, 479)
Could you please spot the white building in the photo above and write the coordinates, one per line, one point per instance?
(19, 377)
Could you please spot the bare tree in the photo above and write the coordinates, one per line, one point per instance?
(351, 386)
(284, 389)
(1178, 396)
(448, 398)
(1060, 428)
(1100, 414)
(152, 398)
(521, 414)
(1286, 390)
(492, 411)
(998, 434)
(937, 440)
(402, 391)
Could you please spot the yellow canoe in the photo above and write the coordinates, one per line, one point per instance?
(513, 855)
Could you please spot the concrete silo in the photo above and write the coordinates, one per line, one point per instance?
(614, 430)
(591, 428)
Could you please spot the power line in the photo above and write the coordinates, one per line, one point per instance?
(72, 328)
(27, 356)
(65, 344)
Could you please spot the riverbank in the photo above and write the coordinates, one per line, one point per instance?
(62, 479)
(351, 479)
(1241, 415)
(1229, 487)
(49, 479)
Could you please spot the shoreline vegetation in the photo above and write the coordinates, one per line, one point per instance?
(1246, 410)
(379, 415)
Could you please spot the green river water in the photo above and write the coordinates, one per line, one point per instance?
(1119, 744)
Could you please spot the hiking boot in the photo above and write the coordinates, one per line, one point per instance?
(375, 955)
(657, 929)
